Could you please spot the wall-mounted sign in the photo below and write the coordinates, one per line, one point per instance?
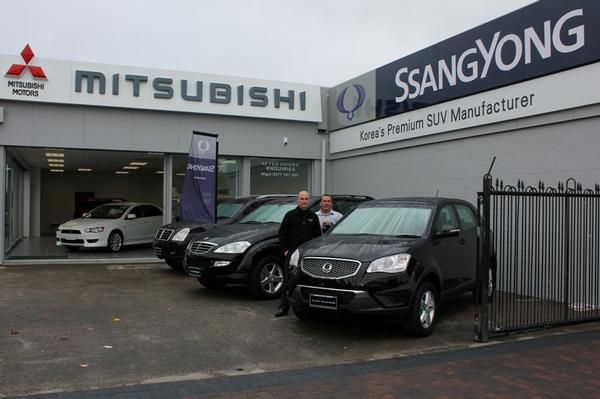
(288, 175)
(142, 88)
(568, 89)
(543, 38)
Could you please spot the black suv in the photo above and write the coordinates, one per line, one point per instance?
(396, 258)
(248, 252)
(171, 239)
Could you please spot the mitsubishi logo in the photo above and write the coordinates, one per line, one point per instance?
(17, 69)
(327, 267)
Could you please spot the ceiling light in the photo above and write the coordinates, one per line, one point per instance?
(131, 167)
(180, 174)
(56, 165)
(160, 172)
(55, 155)
(138, 163)
(121, 172)
(84, 170)
(57, 170)
(57, 160)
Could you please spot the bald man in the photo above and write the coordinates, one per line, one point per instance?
(298, 226)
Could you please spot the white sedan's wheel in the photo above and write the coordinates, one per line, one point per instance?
(115, 241)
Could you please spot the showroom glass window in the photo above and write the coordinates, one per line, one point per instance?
(13, 198)
(279, 176)
(228, 180)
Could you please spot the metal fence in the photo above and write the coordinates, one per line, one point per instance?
(546, 245)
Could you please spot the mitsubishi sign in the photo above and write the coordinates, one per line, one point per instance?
(42, 80)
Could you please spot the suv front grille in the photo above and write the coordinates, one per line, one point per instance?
(164, 234)
(332, 268)
(201, 247)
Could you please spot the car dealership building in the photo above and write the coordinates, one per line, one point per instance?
(522, 87)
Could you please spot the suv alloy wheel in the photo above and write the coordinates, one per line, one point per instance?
(266, 278)
(421, 320)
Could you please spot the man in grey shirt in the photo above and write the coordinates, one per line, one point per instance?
(327, 216)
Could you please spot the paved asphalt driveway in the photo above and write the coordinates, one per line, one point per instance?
(69, 327)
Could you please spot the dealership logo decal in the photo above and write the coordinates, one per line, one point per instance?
(16, 70)
(203, 146)
(362, 95)
(18, 83)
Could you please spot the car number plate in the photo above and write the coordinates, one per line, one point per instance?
(322, 301)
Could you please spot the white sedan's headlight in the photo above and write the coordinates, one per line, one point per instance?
(233, 248)
(390, 264)
(181, 234)
(295, 258)
(95, 229)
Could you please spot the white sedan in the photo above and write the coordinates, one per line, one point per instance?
(111, 225)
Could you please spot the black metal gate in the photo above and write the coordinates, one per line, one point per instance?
(546, 245)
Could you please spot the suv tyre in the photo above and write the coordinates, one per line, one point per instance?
(266, 277)
(421, 319)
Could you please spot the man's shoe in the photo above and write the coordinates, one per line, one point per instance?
(282, 311)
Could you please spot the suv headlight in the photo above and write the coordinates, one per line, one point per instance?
(233, 248)
(295, 258)
(390, 264)
(181, 234)
(95, 229)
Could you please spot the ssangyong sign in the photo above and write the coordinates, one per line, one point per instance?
(543, 38)
(142, 88)
(495, 72)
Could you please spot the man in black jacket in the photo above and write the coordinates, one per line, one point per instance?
(298, 226)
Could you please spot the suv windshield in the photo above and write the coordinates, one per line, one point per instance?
(107, 211)
(386, 219)
(228, 209)
(269, 213)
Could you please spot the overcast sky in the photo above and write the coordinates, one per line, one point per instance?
(322, 42)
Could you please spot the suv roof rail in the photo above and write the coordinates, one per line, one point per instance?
(276, 195)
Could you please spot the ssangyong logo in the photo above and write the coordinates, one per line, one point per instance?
(16, 70)
(203, 146)
(360, 99)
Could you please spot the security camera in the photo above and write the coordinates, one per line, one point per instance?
(285, 141)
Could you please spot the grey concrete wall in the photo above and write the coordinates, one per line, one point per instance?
(550, 148)
(67, 126)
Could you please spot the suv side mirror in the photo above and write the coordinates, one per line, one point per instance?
(131, 216)
(448, 231)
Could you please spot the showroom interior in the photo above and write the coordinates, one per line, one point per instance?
(59, 184)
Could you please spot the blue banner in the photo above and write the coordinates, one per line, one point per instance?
(199, 199)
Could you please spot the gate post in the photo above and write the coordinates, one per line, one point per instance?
(482, 295)
(567, 243)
